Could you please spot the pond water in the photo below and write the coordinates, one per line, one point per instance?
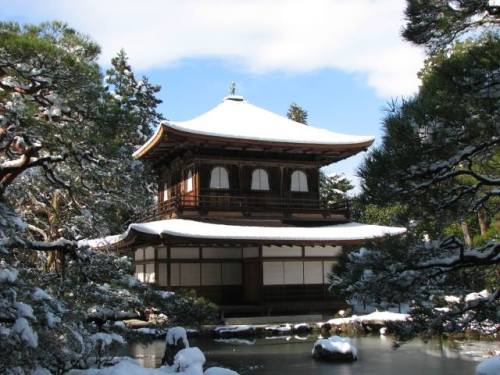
(292, 355)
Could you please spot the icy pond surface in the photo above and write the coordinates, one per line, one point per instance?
(292, 355)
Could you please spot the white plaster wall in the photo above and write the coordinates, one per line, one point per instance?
(162, 274)
(250, 252)
(313, 272)
(149, 273)
(281, 251)
(323, 251)
(139, 254)
(294, 272)
(162, 252)
(190, 274)
(222, 252)
(211, 274)
(273, 273)
(149, 253)
(175, 274)
(184, 252)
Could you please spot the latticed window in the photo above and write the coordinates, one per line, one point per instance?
(189, 181)
(299, 182)
(260, 179)
(219, 178)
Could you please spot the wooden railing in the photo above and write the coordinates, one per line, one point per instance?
(242, 203)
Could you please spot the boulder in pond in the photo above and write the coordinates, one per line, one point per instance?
(175, 341)
(335, 348)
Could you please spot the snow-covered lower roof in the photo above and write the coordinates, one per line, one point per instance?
(235, 118)
(341, 233)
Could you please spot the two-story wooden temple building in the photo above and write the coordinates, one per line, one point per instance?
(239, 216)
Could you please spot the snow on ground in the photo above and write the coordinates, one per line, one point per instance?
(188, 361)
(374, 317)
(491, 366)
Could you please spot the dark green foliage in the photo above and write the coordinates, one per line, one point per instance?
(297, 113)
(333, 189)
(438, 23)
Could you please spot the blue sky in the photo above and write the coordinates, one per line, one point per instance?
(340, 60)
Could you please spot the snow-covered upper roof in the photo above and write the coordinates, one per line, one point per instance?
(202, 230)
(236, 118)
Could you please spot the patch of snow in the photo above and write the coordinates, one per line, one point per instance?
(41, 371)
(149, 331)
(27, 334)
(52, 319)
(40, 295)
(491, 366)
(119, 324)
(24, 310)
(376, 316)
(475, 297)
(107, 338)
(234, 329)
(452, 299)
(8, 275)
(189, 359)
(175, 334)
(165, 293)
(219, 371)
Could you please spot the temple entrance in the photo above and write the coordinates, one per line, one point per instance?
(252, 281)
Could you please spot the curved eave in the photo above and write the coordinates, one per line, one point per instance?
(182, 231)
(166, 131)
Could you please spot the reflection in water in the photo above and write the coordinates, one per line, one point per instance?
(292, 355)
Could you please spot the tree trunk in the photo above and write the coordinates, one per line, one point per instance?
(465, 230)
(483, 221)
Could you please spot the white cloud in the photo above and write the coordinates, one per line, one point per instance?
(358, 36)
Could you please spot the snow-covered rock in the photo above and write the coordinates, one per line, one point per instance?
(376, 317)
(189, 360)
(239, 330)
(175, 334)
(476, 297)
(302, 328)
(490, 366)
(279, 329)
(335, 348)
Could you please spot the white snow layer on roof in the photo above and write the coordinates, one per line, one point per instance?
(242, 120)
(197, 229)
